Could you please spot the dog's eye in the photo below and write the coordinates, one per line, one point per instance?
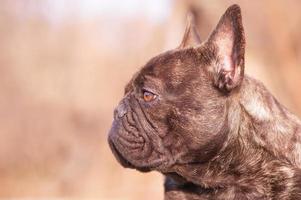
(148, 96)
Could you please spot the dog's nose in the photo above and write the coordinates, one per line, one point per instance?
(120, 111)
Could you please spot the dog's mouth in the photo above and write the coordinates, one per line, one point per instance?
(137, 148)
(123, 161)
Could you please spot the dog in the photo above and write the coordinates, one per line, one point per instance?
(215, 133)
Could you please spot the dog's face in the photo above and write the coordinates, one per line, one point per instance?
(174, 110)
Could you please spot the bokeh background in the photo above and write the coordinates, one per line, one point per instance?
(63, 66)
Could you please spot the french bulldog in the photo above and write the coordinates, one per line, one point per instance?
(214, 133)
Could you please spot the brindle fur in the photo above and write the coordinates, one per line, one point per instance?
(214, 132)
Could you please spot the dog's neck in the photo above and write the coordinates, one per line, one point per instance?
(264, 139)
(273, 127)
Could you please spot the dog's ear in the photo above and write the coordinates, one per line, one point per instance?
(228, 40)
(191, 36)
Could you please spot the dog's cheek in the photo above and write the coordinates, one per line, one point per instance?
(176, 145)
(157, 115)
(196, 124)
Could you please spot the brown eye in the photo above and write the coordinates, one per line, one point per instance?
(148, 96)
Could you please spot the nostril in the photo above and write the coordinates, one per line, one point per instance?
(120, 111)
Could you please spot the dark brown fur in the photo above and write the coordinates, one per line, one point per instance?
(214, 132)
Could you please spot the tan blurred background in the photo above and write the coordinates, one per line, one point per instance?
(63, 65)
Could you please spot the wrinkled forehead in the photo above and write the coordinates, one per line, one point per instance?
(171, 64)
(172, 68)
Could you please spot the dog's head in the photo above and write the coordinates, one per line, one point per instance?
(174, 110)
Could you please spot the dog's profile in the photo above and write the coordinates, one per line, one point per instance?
(215, 133)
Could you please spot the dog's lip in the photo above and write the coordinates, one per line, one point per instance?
(125, 163)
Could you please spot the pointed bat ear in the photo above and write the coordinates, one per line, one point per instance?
(229, 41)
(191, 36)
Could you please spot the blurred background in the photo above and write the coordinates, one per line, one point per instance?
(63, 66)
